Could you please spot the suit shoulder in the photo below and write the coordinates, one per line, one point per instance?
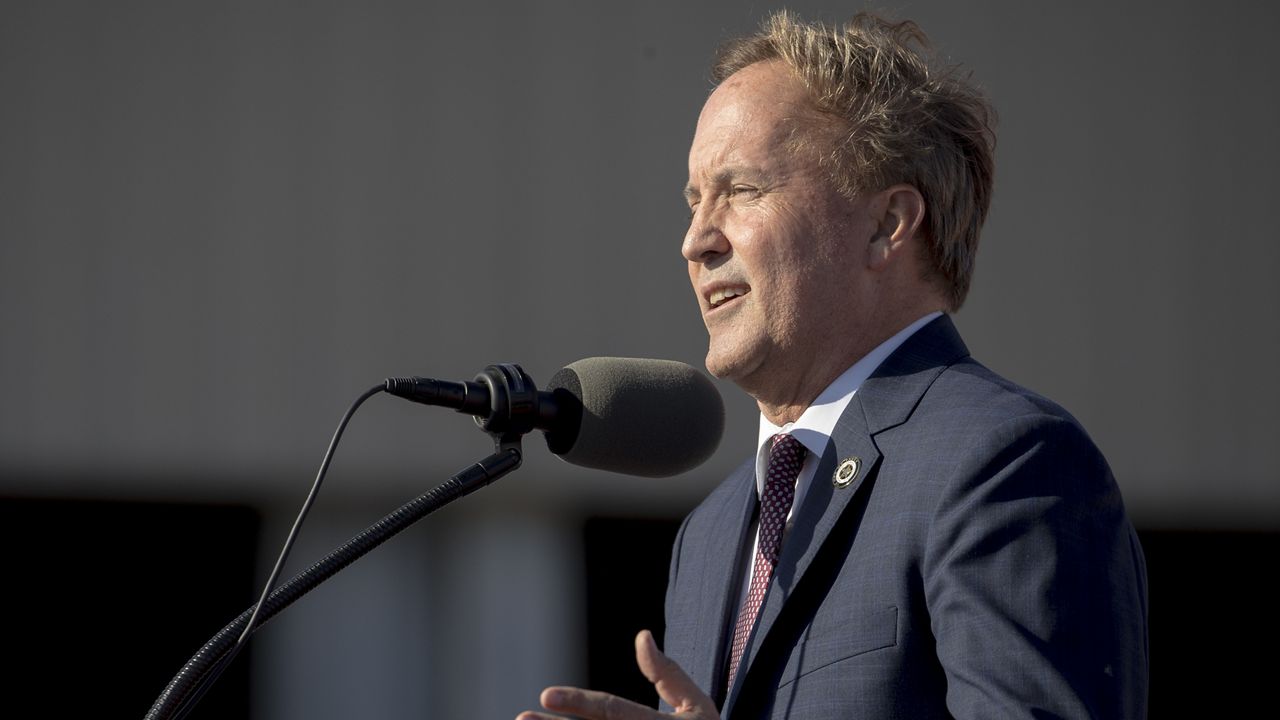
(971, 398)
(971, 422)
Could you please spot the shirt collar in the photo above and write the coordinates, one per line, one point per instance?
(814, 426)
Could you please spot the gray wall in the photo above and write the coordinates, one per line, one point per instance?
(219, 222)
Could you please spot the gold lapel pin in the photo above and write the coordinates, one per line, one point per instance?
(847, 472)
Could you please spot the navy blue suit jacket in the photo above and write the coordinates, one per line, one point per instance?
(980, 565)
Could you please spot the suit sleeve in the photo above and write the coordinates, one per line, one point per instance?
(669, 608)
(1035, 581)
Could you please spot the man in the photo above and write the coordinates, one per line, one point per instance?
(918, 537)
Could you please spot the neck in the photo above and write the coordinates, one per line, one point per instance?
(783, 397)
(787, 402)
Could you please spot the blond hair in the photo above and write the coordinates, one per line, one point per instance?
(897, 119)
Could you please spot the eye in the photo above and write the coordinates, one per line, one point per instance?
(745, 190)
(693, 210)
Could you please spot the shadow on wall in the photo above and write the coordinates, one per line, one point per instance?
(106, 600)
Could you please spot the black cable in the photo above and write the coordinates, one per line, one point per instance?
(306, 508)
(213, 672)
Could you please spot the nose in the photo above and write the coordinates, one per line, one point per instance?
(705, 240)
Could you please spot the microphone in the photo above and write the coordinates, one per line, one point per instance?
(652, 418)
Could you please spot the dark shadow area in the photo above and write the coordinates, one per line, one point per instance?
(627, 561)
(1213, 622)
(107, 600)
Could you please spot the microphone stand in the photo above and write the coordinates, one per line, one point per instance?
(186, 688)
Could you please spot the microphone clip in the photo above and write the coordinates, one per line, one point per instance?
(513, 404)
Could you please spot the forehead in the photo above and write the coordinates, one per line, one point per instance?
(757, 111)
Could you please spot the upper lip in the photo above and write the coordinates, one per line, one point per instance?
(713, 288)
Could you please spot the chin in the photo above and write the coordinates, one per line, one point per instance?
(729, 363)
(716, 369)
(717, 364)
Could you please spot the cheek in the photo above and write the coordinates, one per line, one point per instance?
(767, 234)
(787, 246)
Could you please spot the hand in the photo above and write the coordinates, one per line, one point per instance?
(672, 684)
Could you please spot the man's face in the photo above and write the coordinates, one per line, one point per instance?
(772, 246)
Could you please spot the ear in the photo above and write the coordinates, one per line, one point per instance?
(899, 213)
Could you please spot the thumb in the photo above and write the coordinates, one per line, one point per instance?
(675, 687)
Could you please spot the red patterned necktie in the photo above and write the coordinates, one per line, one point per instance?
(786, 457)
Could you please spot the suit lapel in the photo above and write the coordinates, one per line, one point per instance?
(721, 579)
(885, 400)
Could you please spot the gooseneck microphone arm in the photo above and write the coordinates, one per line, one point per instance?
(506, 404)
(179, 695)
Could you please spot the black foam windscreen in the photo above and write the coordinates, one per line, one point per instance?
(652, 418)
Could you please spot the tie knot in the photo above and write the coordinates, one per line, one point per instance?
(786, 457)
(786, 448)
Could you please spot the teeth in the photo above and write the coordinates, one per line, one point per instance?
(719, 296)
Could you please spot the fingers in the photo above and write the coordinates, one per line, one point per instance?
(590, 704)
(671, 682)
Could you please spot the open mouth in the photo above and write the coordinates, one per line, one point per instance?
(724, 296)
